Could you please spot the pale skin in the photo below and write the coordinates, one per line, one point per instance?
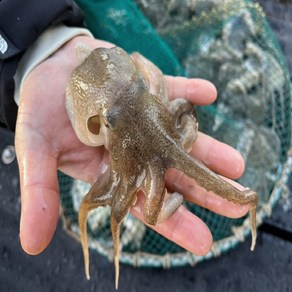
(45, 142)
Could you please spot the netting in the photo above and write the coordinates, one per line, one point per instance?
(231, 44)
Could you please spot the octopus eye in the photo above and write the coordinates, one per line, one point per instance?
(112, 116)
(93, 124)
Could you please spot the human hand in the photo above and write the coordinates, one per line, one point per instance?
(45, 142)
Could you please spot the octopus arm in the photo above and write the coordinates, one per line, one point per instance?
(210, 181)
(124, 198)
(154, 190)
(100, 194)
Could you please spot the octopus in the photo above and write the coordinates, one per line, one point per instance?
(120, 101)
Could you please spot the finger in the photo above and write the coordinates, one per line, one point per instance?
(39, 192)
(183, 228)
(218, 156)
(179, 182)
(197, 91)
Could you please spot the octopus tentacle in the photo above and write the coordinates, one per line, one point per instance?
(154, 190)
(210, 181)
(115, 229)
(184, 121)
(100, 194)
(170, 205)
(121, 203)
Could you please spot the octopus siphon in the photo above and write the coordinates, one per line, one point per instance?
(120, 101)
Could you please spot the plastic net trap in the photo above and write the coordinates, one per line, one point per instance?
(231, 44)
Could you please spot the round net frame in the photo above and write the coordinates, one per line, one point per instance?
(231, 44)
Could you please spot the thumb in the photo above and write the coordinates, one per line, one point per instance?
(39, 190)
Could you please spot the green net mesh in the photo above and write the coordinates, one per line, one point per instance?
(231, 44)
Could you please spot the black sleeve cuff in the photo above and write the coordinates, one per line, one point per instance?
(21, 23)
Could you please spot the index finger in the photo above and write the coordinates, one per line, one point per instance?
(197, 91)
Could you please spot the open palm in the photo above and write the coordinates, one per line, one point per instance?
(45, 142)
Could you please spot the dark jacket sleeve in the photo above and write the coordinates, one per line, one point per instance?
(21, 22)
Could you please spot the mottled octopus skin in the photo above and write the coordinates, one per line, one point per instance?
(121, 101)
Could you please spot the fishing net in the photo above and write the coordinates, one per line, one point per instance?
(231, 44)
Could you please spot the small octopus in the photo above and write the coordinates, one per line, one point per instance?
(120, 101)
